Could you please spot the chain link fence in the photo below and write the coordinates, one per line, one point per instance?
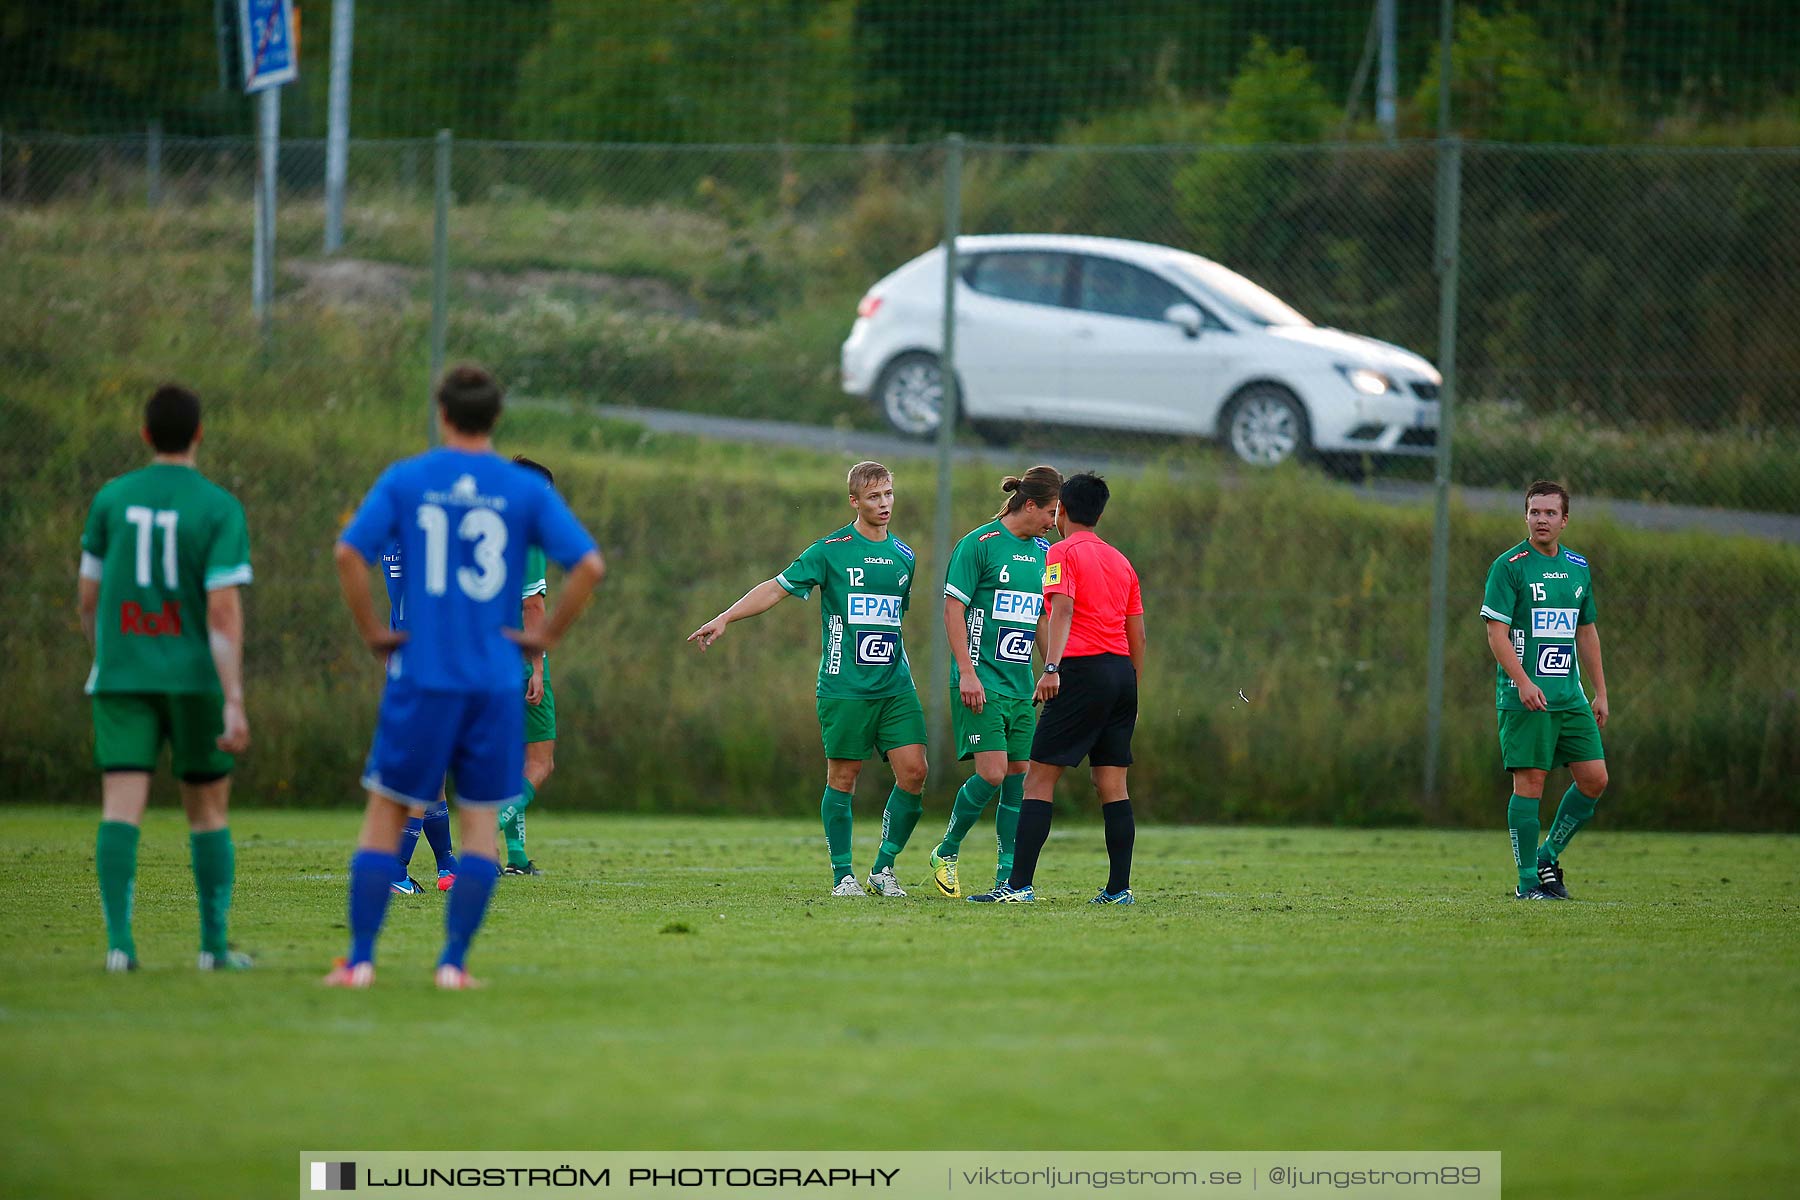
(671, 322)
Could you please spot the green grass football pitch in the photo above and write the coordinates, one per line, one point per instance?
(687, 984)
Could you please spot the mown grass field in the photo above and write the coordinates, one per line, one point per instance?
(684, 983)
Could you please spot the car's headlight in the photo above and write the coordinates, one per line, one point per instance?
(1366, 380)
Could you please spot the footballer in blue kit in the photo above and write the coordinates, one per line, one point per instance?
(464, 518)
(432, 821)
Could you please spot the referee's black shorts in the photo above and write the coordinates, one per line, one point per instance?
(1091, 716)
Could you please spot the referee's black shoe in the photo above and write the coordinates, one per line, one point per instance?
(1550, 879)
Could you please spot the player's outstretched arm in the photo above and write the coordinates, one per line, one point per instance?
(578, 585)
(1587, 644)
(353, 582)
(1499, 640)
(759, 599)
(225, 638)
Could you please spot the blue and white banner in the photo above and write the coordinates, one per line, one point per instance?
(270, 42)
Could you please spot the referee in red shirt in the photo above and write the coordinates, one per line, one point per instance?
(1093, 659)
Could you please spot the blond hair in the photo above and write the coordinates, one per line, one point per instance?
(1040, 485)
(865, 473)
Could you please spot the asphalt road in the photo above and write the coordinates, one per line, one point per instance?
(1774, 527)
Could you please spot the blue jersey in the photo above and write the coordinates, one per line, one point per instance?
(463, 522)
(393, 572)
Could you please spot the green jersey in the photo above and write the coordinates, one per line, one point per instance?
(537, 583)
(157, 541)
(864, 589)
(1000, 578)
(1543, 600)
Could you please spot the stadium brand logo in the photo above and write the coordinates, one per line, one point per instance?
(167, 623)
(1024, 558)
(1018, 608)
(1553, 622)
(1556, 659)
(333, 1177)
(1015, 645)
(868, 608)
(1554, 575)
(876, 648)
(879, 562)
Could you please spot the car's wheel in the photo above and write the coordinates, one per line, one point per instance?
(910, 394)
(1266, 424)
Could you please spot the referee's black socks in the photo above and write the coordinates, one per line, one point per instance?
(1034, 829)
(1121, 835)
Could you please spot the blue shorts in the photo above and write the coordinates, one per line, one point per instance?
(478, 738)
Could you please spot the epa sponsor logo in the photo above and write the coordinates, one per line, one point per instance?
(1015, 645)
(1555, 659)
(1018, 608)
(1553, 622)
(876, 648)
(868, 608)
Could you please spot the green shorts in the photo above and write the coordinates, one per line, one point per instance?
(131, 727)
(1004, 723)
(540, 719)
(859, 729)
(1545, 740)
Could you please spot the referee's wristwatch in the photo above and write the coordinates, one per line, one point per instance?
(1049, 668)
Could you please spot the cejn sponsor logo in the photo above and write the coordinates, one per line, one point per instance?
(1553, 622)
(167, 623)
(876, 647)
(1015, 645)
(1018, 608)
(869, 608)
(1555, 659)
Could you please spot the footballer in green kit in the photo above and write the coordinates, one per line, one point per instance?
(993, 615)
(540, 707)
(163, 555)
(1541, 629)
(866, 700)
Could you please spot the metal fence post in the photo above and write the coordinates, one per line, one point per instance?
(337, 133)
(440, 277)
(269, 145)
(153, 164)
(1449, 210)
(937, 687)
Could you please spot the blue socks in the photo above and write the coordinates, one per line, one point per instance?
(409, 841)
(371, 874)
(468, 904)
(437, 831)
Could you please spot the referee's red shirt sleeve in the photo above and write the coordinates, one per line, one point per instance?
(1059, 576)
(1134, 603)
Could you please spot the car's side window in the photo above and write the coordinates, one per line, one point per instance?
(1121, 290)
(1030, 277)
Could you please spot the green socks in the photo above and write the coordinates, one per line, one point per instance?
(512, 826)
(1575, 811)
(115, 861)
(976, 794)
(834, 810)
(215, 867)
(1522, 822)
(897, 822)
(1006, 824)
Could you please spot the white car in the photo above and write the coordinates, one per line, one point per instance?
(1126, 335)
